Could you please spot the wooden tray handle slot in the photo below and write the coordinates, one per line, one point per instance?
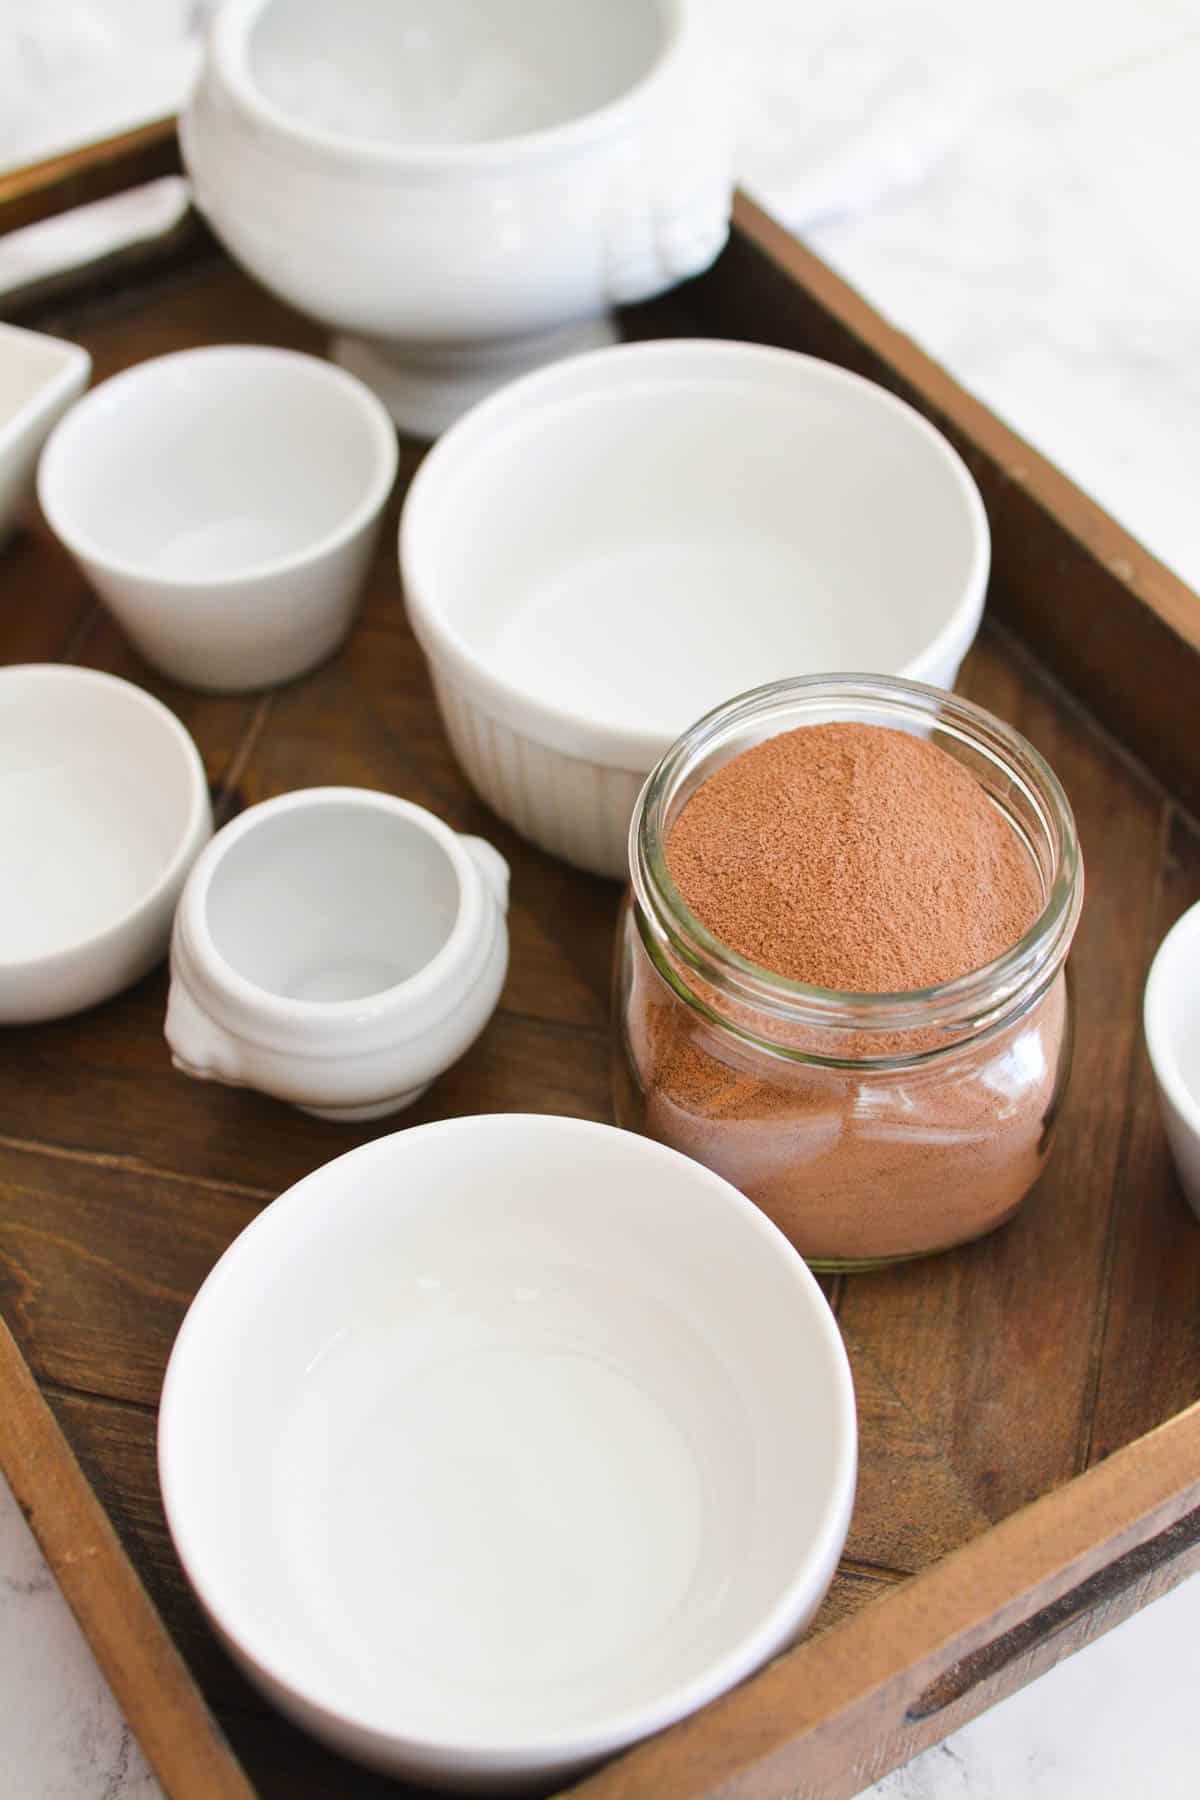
(1099, 1591)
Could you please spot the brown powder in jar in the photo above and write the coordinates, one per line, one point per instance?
(853, 857)
(867, 860)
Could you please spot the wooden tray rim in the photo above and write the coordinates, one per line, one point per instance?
(885, 1658)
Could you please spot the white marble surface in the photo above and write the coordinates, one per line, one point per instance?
(1051, 258)
(1015, 185)
(1117, 1721)
(61, 1736)
(72, 71)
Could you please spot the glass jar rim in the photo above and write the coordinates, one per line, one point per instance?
(963, 1007)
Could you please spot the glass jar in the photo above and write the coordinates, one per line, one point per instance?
(870, 1127)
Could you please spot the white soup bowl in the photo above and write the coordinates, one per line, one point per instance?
(498, 1443)
(461, 192)
(224, 503)
(103, 809)
(1171, 1016)
(338, 948)
(598, 556)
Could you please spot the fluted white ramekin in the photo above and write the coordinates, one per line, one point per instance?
(598, 555)
(570, 805)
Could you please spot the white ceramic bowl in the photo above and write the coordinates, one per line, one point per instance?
(338, 948)
(595, 558)
(460, 191)
(499, 1443)
(1171, 1016)
(103, 808)
(224, 503)
(39, 378)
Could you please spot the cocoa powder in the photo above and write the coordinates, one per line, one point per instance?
(853, 857)
(865, 860)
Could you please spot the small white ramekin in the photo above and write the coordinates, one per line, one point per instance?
(224, 503)
(337, 948)
(601, 553)
(1171, 1017)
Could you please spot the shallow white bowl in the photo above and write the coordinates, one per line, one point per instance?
(39, 378)
(460, 191)
(224, 503)
(501, 1442)
(1171, 1016)
(600, 554)
(103, 809)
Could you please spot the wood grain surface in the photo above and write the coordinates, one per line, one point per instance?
(988, 1379)
(86, 173)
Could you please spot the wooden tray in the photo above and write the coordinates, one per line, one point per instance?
(1030, 1466)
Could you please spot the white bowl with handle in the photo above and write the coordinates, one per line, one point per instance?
(596, 557)
(501, 1442)
(460, 192)
(337, 948)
